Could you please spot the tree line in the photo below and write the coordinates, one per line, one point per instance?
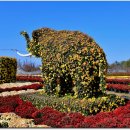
(28, 66)
(122, 66)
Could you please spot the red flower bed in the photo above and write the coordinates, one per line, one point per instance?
(47, 116)
(17, 105)
(25, 110)
(119, 118)
(107, 123)
(122, 110)
(125, 123)
(71, 120)
(120, 87)
(30, 78)
(118, 81)
(25, 87)
(7, 108)
(76, 120)
(9, 103)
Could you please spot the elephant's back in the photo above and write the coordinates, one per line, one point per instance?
(66, 42)
(70, 47)
(46, 36)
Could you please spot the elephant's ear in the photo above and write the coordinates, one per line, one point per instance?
(35, 35)
(40, 34)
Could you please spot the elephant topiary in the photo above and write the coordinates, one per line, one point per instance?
(72, 62)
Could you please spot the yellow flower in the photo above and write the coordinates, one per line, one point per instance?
(68, 109)
(62, 66)
(42, 92)
(90, 111)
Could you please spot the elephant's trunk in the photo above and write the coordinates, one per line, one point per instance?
(26, 36)
(32, 46)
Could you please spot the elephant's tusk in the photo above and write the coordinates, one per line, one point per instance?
(24, 55)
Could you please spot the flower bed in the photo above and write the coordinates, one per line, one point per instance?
(118, 81)
(25, 87)
(9, 103)
(30, 78)
(119, 118)
(17, 105)
(71, 104)
(57, 119)
(118, 88)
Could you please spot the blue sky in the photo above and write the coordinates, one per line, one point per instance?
(107, 22)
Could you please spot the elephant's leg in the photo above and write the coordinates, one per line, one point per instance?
(85, 83)
(53, 85)
(69, 83)
(62, 86)
(102, 73)
(95, 88)
(78, 87)
(50, 81)
(95, 82)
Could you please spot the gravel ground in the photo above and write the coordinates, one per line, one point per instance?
(15, 121)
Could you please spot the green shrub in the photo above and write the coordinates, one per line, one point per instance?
(8, 68)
